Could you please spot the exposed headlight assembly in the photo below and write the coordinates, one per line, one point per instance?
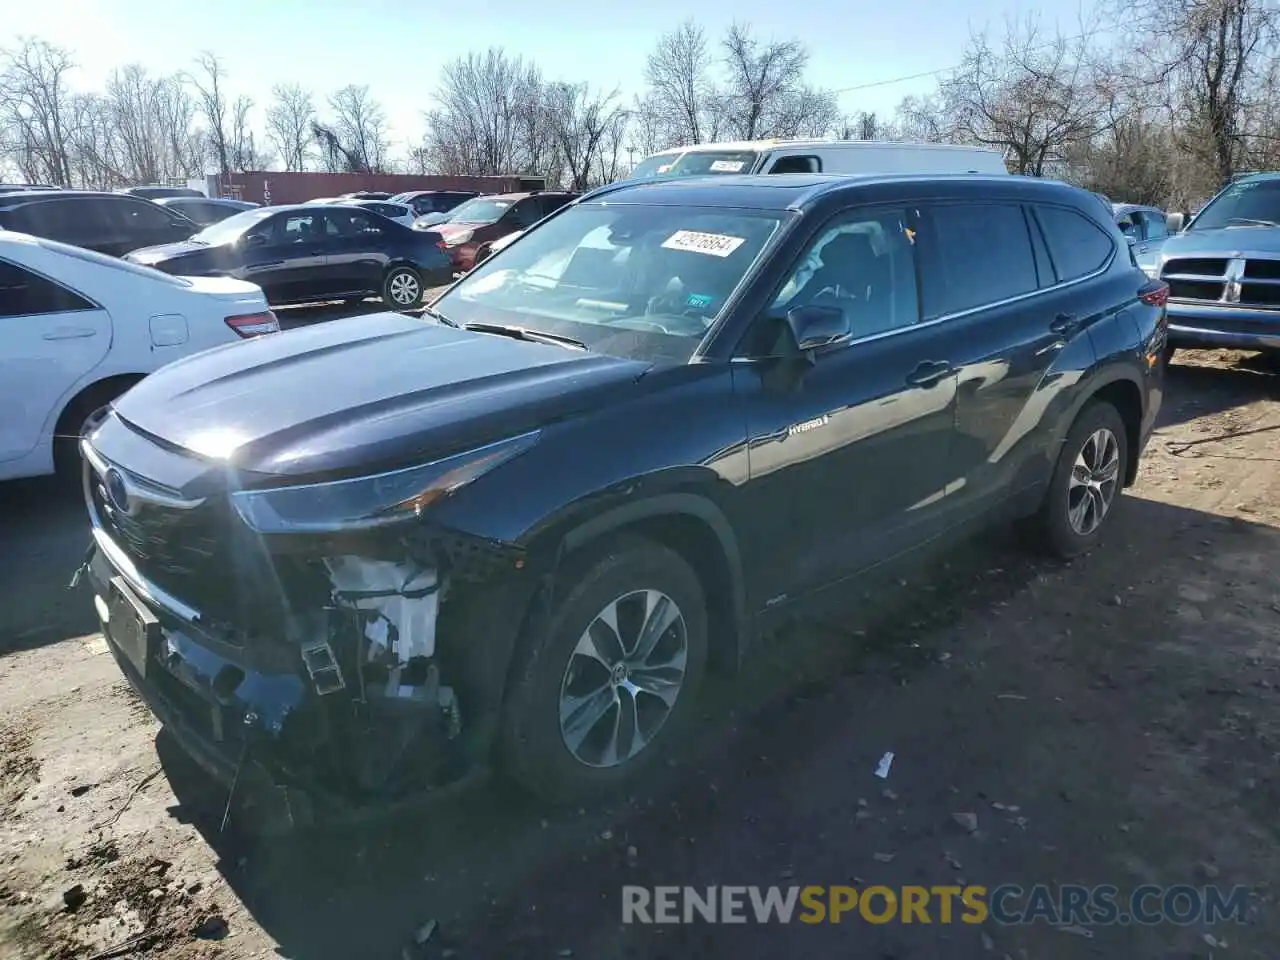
(375, 501)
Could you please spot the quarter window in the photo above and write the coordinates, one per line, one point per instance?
(27, 294)
(866, 266)
(1077, 245)
(982, 255)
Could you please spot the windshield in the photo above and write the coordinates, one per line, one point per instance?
(1250, 203)
(644, 282)
(696, 162)
(230, 229)
(480, 210)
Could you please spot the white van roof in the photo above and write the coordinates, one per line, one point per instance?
(817, 142)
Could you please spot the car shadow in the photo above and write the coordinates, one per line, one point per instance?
(44, 535)
(1203, 382)
(365, 889)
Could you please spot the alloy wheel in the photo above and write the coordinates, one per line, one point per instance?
(623, 678)
(1094, 480)
(404, 289)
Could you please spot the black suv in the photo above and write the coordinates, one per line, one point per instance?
(379, 552)
(110, 223)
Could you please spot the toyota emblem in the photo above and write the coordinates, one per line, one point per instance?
(117, 490)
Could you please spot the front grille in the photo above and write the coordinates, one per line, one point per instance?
(1260, 294)
(1262, 270)
(1197, 266)
(1195, 289)
(204, 557)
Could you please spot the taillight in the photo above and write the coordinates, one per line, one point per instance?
(254, 324)
(1154, 294)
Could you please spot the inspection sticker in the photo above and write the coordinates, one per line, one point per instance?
(716, 244)
(726, 166)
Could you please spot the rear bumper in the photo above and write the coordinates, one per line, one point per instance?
(1193, 324)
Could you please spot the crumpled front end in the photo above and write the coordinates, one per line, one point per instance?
(361, 667)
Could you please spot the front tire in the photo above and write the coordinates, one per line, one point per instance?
(1086, 484)
(606, 681)
(402, 288)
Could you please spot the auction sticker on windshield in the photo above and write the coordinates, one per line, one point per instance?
(716, 244)
(726, 166)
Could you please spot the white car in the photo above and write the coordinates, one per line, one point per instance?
(77, 329)
(401, 213)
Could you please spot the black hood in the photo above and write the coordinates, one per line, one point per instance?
(355, 395)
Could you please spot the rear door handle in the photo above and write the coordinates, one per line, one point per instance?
(70, 333)
(1065, 324)
(928, 373)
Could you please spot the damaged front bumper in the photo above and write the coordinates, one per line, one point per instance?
(328, 680)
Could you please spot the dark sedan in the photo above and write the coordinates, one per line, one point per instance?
(306, 253)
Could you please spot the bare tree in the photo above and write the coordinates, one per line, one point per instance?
(289, 120)
(681, 91)
(210, 83)
(1218, 54)
(35, 99)
(490, 118)
(581, 122)
(765, 94)
(1033, 97)
(244, 152)
(360, 124)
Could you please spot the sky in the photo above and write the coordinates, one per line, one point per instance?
(397, 47)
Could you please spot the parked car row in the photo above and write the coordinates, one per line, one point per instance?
(521, 528)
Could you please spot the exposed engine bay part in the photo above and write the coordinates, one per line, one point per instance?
(400, 603)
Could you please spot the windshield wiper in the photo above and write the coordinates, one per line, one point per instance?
(1254, 222)
(435, 314)
(524, 333)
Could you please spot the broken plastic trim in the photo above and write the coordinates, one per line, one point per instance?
(372, 501)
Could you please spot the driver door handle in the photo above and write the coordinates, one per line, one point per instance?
(928, 373)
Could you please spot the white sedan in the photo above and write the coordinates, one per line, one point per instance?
(401, 213)
(77, 329)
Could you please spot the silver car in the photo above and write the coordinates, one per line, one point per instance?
(1146, 229)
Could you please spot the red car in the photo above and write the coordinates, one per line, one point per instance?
(472, 227)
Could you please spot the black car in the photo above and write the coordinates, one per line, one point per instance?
(158, 193)
(311, 252)
(110, 223)
(206, 210)
(378, 553)
(434, 201)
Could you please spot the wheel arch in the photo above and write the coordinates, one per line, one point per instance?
(87, 399)
(695, 527)
(1122, 390)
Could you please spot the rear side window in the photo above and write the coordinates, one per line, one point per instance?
(71, 221)
(981, 255)
(796, 165)
(141, 216)
(550, 204)
(27, 294)
(1077, 245)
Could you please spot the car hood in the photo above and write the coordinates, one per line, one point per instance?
(226, 288)
(1224, 242)
(363, 394)
(167, 251)
(449, 229)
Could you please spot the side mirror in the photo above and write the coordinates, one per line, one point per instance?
(815, 327)
(1174, 222)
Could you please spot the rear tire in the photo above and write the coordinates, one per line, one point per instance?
(402, 288)
(571, 667)
(1086, 484)
(76, 420)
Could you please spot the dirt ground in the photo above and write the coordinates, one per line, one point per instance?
(1114, 720)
